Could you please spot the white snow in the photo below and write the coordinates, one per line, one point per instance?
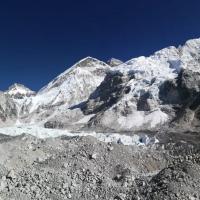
(138, 119)
(84, 119)
(19, 89)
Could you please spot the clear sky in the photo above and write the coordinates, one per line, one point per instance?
(39, 39)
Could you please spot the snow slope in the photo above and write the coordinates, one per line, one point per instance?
(72, 86)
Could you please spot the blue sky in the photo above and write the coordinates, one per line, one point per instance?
(39, 39)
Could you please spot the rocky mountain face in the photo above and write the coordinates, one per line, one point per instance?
(143, 93)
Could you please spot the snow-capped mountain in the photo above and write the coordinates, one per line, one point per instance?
(19, 91)
(69, 88)
(72, 86)
(142, 93)
(19, 94)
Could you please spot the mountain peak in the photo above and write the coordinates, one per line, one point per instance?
(87, 66)
(19, 91)
(89, 61)
(113, 62)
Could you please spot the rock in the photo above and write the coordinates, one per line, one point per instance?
(8, 109)
(3, 185)
(65, 185)
(121, 196)
(93, 156)
(69, 195)
(53, 124)
(39, 159)
(11, 174)
(110, 148)
(65, 165)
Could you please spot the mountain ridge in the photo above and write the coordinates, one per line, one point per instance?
(127, 95)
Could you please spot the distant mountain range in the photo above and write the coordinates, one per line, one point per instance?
(143, 93)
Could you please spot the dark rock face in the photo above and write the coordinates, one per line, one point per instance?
(190, 80)
(169, 93)
(143, 104)
(53, 124)
(184, 94)
(107, 94)
(180, 90)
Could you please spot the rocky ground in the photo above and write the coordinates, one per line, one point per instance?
(85, 168)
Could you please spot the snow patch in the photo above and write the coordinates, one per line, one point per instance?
(135, 120)
(85, 119)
